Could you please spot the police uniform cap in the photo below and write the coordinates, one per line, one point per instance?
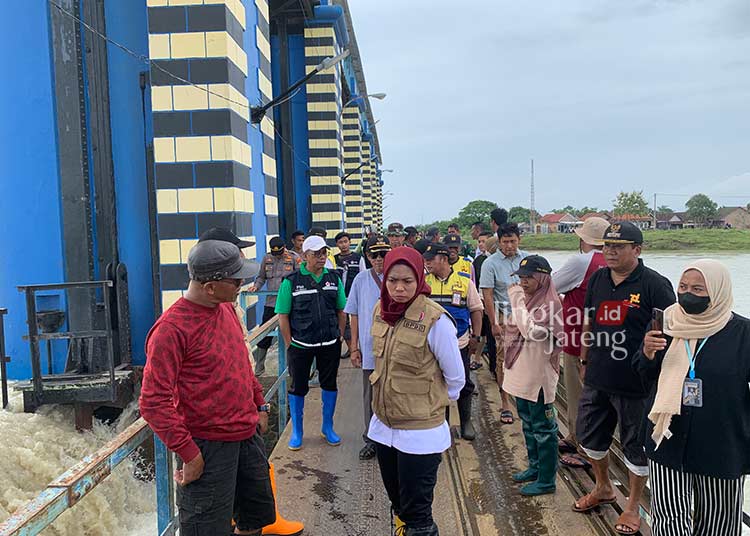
(452, 240)
(623, 232)
(533, 264)
(435, 249)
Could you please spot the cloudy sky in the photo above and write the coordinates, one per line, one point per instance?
(604, 95)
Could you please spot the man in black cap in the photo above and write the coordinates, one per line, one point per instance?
(349, 263)
(421, 245)
(275, 266)
(618, 307)
(225, 235)
(411, 236)
(432, 234)
(196, 349)
(395, 234)
(459, 264)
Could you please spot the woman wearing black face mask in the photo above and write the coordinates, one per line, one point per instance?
(698, 429)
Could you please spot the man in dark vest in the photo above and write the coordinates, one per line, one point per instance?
(310, 305)
(348, 264)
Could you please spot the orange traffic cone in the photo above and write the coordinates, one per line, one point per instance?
(281, 527)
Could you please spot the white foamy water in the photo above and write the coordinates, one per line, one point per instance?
(36, 448)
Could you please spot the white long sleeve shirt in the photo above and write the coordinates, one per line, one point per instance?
(443, 343)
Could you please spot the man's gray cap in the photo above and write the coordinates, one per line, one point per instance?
(212, 260)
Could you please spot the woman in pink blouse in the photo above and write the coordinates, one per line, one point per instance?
(532, 366)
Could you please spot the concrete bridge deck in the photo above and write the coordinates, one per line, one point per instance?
(334, 493)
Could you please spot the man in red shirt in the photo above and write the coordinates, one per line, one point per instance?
(201, 398)
(572, 280)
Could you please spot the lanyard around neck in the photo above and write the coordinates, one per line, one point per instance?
(692, 356)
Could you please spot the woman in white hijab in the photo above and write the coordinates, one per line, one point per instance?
(698, 428)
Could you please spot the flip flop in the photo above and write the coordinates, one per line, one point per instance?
(588, 502)
(574, 461)
(629, 523)
(565, 446)
(506, 417)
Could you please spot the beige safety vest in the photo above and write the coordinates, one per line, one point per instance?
(408, 388)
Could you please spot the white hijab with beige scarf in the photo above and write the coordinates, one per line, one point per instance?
(691, 328)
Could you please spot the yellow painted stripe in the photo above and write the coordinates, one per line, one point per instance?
(264, 84)
(269, 166)
(320, 31)
(272, 205)
(263, 45)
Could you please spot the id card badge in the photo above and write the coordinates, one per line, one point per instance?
(692, 393)
(456, 299)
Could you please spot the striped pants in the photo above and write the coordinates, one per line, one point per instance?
(685, 504)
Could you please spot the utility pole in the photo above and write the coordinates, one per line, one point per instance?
(532, 210)
(655, 219)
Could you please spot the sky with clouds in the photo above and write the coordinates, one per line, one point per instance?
(604, 95)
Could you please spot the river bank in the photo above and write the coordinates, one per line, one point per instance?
(678, 240)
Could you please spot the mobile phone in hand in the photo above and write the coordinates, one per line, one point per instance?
(657, 319)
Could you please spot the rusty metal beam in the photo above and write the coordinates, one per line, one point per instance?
(75, 483)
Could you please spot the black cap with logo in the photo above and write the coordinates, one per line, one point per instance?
(377, 243)
(421, 245)
(434, 249)
(277, 245)
(225, 235)
(452, 240)
(533, 264)
(623, 232)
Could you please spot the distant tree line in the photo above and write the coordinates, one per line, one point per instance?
(700, 209)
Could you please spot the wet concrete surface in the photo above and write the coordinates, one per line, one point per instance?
(334, 493)
(491, 498)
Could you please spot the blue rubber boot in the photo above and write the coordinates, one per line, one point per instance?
(296, 411)
(329, 407)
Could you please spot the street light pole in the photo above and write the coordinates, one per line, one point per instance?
(258, 112)
(379, 96)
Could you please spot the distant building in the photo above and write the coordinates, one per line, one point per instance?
(556, 223)
(642, 222)
(669, 221)
(732, 217)
(606, 215)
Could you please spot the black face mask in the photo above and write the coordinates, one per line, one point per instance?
(693, 305)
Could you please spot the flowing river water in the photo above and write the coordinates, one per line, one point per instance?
(36, 448)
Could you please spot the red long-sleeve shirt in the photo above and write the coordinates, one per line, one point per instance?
(198, 381)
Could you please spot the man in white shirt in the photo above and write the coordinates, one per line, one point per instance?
(364, 294)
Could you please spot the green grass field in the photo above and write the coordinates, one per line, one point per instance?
(686, 239)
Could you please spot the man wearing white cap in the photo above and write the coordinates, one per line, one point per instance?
(310, 305)
(572, 281)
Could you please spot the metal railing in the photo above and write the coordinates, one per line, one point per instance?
(78, 481)
(35, 337)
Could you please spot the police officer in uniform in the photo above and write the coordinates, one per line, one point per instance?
(310, 305)
(458, 295)
(275, 266)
